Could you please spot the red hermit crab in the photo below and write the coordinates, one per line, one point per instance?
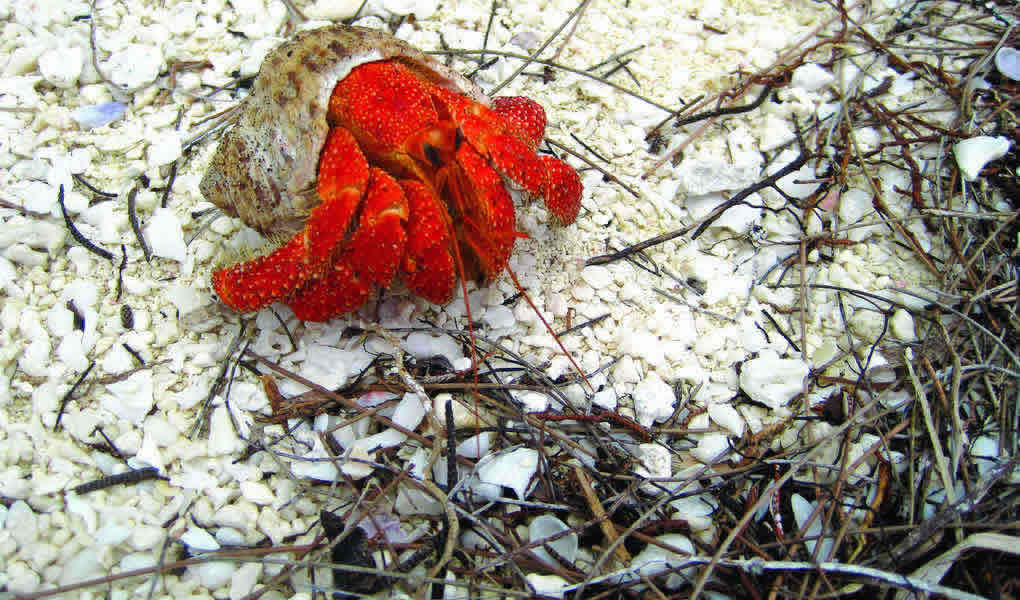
(366, 158)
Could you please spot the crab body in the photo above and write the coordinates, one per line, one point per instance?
(371, 160)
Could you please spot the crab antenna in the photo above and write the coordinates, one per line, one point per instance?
(459, 263)
(548, 328)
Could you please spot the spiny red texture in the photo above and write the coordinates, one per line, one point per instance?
(343, 177)
(426, 204)
(524, 115)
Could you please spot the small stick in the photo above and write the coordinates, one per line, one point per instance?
(135, 226)
(81, 239)
(70, 393)
(607, 527)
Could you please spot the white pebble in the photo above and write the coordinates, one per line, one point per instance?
(257, 493)
(82, 566)
(985, 452)
(356, 469)
(498, 317)
(184, 297)
(130, 399)
(148, 455)
(214, 574)
(547, 585)
(137, 560)
(134, 66)
(654, 462)
(35, 362)
(902, 324)
(697, 511)
(98, 115)
(597, 277)
(7, 272)
(654, 560)
(228, 536)
(243, 580)
(165, 149)
(166, 236)
(320, 470)
(60, 67)
(711, 447)
(199, 540)
(424, 345)
(21, 579)
(792, 184)
(421, 9)
(113, 534)
(771, 380)
(973, 154)
(811, 77)
(333, 10)
(653, 400)
(475, 446)
(532, 401)
(409, 412)
(726, 417)
(22, 524)
(80, 508)
(700, 176)
(222, 439)
(605, 399)
(802, 510)
(23, 255)
(1007, 61)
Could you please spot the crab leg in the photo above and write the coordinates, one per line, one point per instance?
(343, 178)
(488, 220)
(369, 259)
(507, 136)
(428, 266)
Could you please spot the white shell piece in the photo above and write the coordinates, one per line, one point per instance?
(565, 547)
(802, 509)
(973, 154)
(512, 469)
(771, 380)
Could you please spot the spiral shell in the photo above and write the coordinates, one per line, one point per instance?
(264, 169)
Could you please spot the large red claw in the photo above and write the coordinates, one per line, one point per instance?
(324, 299)
(525, 116)
(343, 176)
(259, 282)
(369, 258)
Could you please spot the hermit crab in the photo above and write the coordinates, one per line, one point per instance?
(366, 159)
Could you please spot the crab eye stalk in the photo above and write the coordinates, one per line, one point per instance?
(433, 156)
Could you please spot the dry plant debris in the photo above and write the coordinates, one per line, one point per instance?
(806, 384)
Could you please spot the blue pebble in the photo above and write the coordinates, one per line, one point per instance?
(98, 115)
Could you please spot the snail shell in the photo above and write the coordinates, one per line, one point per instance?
(264, 169)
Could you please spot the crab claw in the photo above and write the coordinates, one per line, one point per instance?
(544, 176)
(369, 258)
(343, 177)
